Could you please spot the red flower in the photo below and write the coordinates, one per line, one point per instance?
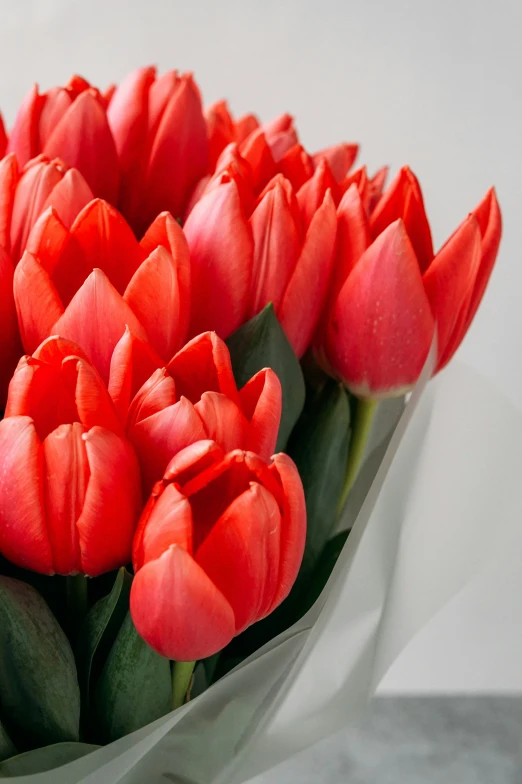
(69, 485)
(69, 123)
(88, 284)
(161, 140)
(24, 196)
(240, 263)
(195, 397)
(389, 290)
(218, 547)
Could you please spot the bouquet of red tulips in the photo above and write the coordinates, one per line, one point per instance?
(199, 320)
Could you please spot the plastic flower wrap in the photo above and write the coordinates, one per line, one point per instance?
(200, 323)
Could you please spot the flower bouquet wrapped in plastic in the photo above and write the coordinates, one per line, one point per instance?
(207, 338)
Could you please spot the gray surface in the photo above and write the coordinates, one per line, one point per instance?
(434, 740)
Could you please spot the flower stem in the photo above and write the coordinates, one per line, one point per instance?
(362, 426)
(77, 600)
(181, 677)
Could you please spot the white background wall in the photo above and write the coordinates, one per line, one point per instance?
(432, 84)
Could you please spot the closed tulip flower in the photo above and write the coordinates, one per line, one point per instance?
(195, 397)
(218, 547)
(389, 290)
(161, 139)
(69, 123)
(25, 195)
(241, 261)
(74, 443)
(89, 283)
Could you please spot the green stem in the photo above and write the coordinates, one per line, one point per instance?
(362, 426)
(181, 676)
(77, 600)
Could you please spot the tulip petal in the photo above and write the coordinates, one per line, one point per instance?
(96, 319)
(49, 241)
(83, 139)
(381, 328)
(157, 393)
(92, 400)
(37, 302)
(178, 610)
(449, 282)
(245, 126)
(133, 361)
(241, 554)
(69, 197)
(66, 476)
(23, 531)
(220, 130)
(169, 521)
(297, 166)
(276, 249)
(221, 253)
(112, 503)
(179, 154)
(23, 139)
(55, 103)
(8, 181)
(107, 243)
(403, 199)
(167, 232)
(311, 194)
(158, 438)
(261, 401)
(490, 222)
(293, 526)
(223, 420)
(32, 193)
(203, 365)
(55, 349)
(192, 460)
(306, 292)
(340, 158)
(154, 296)
(256, 151)
(10, 344)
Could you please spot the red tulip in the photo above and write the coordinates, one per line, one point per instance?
(161, 139)
(195, 397)
(88, 284)
(218, 547)
(69, 123)
(241, 263)
(61, 431)
(23, 197)
(389, 291)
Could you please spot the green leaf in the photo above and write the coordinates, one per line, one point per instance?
(39, 690)
(7, 748)
(45, 758)
(323, 569)
(319, 447)
(134, 687)
(261, 343)
(99, 632)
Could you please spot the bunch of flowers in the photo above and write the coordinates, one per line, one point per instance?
(198, 318)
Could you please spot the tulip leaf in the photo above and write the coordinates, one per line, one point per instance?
(261, 343)
(134, 687)
(323, 569)
(99, 632)
(43, 759)
(7, 748)
(319, 447)
(39, 690)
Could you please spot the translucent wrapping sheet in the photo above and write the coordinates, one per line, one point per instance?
(445, 504)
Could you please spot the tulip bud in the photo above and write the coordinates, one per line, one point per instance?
(218, 547)
(195, 397)
(91, 282)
